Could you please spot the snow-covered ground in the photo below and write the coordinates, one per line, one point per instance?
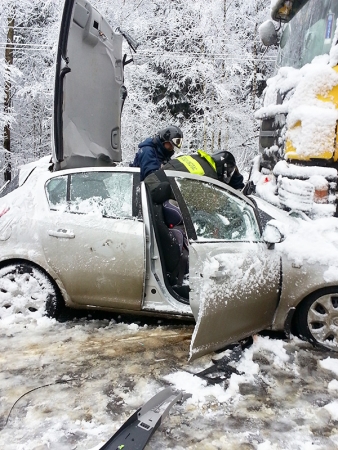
(71, 385)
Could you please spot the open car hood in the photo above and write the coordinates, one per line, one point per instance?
(89, 91)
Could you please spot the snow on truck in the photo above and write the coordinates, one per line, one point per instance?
(298, 161)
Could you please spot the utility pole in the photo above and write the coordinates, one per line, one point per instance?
(8, 98)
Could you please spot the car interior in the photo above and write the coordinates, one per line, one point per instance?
(87, 188)
(174, 253)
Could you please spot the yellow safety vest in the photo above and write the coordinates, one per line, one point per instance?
(194, 166)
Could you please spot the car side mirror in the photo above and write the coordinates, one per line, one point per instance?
(268, 33)
(272, 235)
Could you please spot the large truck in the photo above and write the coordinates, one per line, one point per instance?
(298, 160)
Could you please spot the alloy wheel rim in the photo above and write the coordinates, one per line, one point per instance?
(322, 320)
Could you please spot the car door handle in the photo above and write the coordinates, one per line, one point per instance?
(62, 233)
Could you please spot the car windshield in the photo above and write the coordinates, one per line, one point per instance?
(308, 34)
(217, 214)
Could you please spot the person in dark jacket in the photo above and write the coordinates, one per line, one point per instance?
(154, 152)
(220, 165)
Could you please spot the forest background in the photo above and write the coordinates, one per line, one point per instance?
(200, 65)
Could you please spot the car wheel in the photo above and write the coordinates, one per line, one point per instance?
(316, 319)
(25, 288)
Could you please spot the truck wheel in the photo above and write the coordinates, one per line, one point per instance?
(316, 319)
(24, 288)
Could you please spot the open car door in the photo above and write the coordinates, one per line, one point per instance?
(234, 278)
(89, 91)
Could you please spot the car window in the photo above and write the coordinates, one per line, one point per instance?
(107, 193)
(57, 192)
(216, 213)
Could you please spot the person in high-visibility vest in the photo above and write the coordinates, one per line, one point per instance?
(220, 165)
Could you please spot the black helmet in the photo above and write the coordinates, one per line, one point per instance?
(225, 165)
(171, 134)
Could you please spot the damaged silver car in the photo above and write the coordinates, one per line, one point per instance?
(75, 230)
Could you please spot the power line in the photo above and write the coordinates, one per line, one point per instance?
(204, 57)
(207, 56)
(152, 53)
(179, 53)
(4, 45)
(17, 44)
(24, 28)
(139, 52)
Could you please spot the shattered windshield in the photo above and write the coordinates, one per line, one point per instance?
(308, 34)
(216, 214)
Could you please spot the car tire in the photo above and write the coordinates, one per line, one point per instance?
(24, 289)
(316, 319)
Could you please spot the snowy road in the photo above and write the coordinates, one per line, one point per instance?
(87, 377)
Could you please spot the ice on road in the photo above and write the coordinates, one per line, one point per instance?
(71, 385)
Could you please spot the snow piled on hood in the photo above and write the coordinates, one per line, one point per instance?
(313, 242)
(321, 248)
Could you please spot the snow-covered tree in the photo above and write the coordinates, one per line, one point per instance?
(199, 65)
(34, 26)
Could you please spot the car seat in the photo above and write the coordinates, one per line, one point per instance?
(174, 221)
(170, 242)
